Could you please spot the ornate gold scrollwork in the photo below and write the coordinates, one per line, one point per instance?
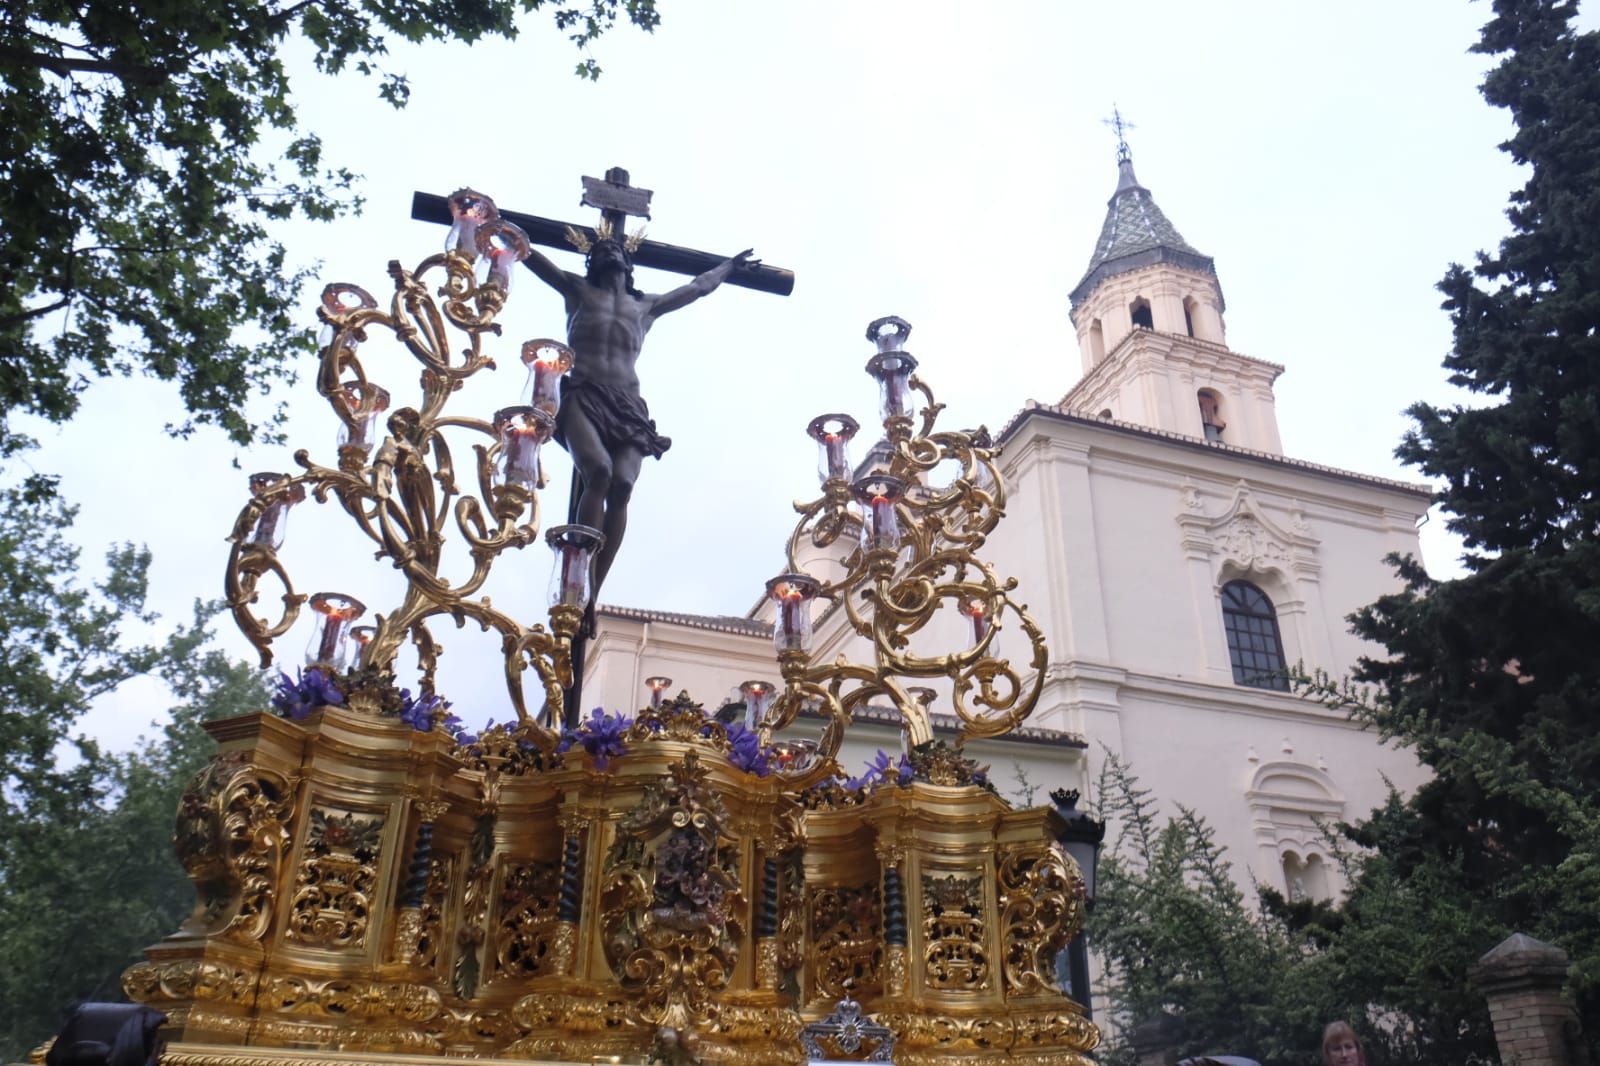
(891, 594)
(332, 902)
(399, 482)
(525, 926)
(846, 941)
(231, 838)
(670, 896)
(953, 930)
(1041, 910)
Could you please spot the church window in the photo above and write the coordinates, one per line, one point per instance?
(1097, 342)
(1210, 414)
(1189, 309)
(1140, 310)
(1255, 645)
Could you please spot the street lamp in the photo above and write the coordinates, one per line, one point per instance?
(1081, 837)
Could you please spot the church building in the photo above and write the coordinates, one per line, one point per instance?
(1177, 561)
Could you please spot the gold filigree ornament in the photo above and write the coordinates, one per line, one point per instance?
(670, 906)
(396, 474)
(906, 539)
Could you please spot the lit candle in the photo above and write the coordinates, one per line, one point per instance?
(503, 245)
(273, 524)
(468, 211)
(793, 594)
(833, 434)
(365, 404)
(878, 495)
(657, 687)
(328, 646)
(546, 361)
(757, 699)
(521, 431)
(978, 611)
(574, 546)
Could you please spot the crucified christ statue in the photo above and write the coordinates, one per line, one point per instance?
(603, 421)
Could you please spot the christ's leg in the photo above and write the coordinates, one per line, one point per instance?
(592, 467)
(624, 472)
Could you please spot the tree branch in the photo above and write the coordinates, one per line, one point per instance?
(66, 66)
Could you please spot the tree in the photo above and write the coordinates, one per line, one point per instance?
(1175, 936)
(145, 148)
(86, 869)
(1493, 677)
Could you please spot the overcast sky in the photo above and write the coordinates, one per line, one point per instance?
(945, 162)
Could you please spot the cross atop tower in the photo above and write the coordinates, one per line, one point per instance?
(1122, 126)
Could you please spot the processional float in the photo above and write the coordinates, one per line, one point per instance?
(672, 886)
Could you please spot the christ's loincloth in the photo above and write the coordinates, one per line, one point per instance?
(621, 418)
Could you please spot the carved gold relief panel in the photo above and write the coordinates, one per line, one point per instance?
(847, 941)
(955, 955)
(1041, 909)
(337, 879)
(525, 918)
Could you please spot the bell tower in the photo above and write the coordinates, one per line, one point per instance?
(1148, 314)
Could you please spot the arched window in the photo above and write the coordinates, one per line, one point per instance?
(1255, 647)
(1211, 414)
(1140, 310)
(1097, 342)
(1190, 309)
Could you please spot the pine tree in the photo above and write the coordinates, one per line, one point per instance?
(1494, 677)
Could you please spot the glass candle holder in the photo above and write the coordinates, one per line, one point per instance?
(502, 246)
(521, 431)
(658, 687)
(891, 368)
(469, 209)
(880, 527)
(977, 611)
(365, 405)
(574, 546)
(758, 696)
(793, 594)
(833, 434)
(892, 372)
(273, 524)
(330, 646)
(340, 298)
(794, 756)
(889, 333)
(546, 361)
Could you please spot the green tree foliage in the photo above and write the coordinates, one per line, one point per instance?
(145, 148)
(1494, 677)
(87, 875)
(1175, 936)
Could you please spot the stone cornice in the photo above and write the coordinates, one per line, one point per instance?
(1013, 427)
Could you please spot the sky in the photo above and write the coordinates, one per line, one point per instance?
(943, 162)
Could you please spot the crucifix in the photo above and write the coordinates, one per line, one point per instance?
(1121, 126)
(603, 422)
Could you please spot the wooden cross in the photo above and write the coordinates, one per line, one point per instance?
(617, 200)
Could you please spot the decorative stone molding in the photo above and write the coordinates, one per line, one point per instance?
(1289, 803)
(1244, 537)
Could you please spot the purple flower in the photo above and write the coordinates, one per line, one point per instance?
(418, 712)
(297, 698)
(600, 735)
(747, 753)
(884, 769)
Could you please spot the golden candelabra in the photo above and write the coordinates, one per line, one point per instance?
(916, 561)
(398, 480)
(665, 886)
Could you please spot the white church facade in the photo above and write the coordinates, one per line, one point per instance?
(1177, 562)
